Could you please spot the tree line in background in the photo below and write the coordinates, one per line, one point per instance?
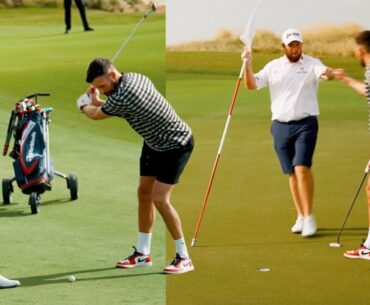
(108, 5)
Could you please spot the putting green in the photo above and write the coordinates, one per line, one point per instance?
(86, 237)
(249, 214)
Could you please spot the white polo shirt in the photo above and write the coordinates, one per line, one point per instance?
(293, 87)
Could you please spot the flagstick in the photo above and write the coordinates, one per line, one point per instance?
(215, 165)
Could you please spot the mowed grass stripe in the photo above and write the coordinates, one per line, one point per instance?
(249, 214)
(86, 237)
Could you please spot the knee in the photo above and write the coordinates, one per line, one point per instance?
(144, 193)
(301, 170)
(160, 200)
(292, 177)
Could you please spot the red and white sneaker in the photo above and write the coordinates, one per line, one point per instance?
(365, 254)
(135, 260)
(179, 265)
(361, 252)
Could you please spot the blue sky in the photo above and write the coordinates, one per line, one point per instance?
(189, 20)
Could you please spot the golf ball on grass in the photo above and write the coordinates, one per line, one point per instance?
(335, 245)
(71, 278)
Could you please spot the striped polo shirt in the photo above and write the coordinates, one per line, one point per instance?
(138, 102)
(367, 90)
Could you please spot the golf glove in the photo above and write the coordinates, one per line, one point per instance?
(83, 100)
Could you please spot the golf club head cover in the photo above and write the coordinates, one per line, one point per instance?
(83, 100)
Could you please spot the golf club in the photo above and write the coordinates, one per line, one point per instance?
(246, 38)
(337, 244)
(153, 8)
(12, 121)
(9, 132)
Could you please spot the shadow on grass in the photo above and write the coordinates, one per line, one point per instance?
(59, 278)
(61, 33)
(318, 238)
(55, 201)
(10, 211)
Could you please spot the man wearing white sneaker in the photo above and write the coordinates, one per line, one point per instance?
(293, 83)
(168, 144)
(6, 283)
(362, 52)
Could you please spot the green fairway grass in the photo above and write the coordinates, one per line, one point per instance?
(250, 211)
(86, 237)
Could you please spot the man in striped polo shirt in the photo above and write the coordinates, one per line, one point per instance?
(362, 52)
(168, 143)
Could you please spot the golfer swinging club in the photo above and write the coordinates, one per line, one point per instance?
(168, 144)
(293, 83)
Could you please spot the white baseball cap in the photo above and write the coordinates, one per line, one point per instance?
(291, 35)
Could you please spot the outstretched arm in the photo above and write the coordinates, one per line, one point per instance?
(358, 86)
(328, 74)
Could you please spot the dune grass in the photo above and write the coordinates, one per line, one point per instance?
(319, 40)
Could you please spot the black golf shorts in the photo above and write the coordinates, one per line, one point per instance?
(165, 166)
(295, 142)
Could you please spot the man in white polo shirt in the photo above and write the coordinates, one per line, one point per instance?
(293, 83)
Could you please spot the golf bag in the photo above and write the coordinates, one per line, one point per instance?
(33, 168)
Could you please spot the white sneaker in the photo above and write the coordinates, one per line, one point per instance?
(309, 226)
(298, 226)
(6, 283)
(179, 265)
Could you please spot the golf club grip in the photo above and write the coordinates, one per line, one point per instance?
(38, 94)
(5, 149)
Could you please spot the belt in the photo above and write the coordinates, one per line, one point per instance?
(311, 117)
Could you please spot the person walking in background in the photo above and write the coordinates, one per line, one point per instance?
(6, 283)
(362, 52)
(67, 15)
(293, 83)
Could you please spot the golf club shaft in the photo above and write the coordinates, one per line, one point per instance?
(215, 165)
(131, 34)
(354, 200)
(9, 132)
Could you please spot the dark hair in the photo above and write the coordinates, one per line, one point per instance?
(98, 67)
(363, 39)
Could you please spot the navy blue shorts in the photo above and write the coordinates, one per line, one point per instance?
(165, 166)
(295, 142)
